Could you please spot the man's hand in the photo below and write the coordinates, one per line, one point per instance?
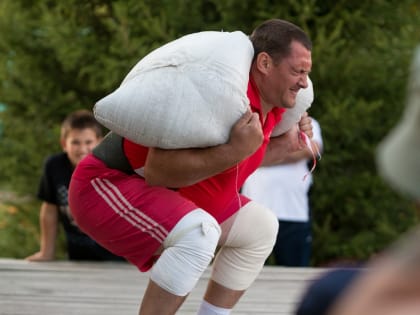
(40, 256)
(291, 141)
(305, 125)
(246, 135)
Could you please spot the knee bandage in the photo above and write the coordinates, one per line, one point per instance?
(249, 242)
(188, 250)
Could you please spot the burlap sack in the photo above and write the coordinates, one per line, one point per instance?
(187, 93)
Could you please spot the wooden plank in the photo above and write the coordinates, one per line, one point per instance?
(104, 288)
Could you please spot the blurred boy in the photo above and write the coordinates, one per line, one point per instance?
(80, 133)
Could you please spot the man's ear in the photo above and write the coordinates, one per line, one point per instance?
(264, 62)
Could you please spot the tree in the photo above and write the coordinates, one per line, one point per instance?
(58, 56)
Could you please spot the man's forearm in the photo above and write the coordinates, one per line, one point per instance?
(180, 168)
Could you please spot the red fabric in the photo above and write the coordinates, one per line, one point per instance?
(122, 213)
(135, 153)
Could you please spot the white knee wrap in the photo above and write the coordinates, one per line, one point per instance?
(188, 250)
(250, 241)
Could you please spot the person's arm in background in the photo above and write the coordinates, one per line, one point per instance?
(48, 221)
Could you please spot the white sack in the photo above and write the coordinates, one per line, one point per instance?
(187, 93)
(292, 116)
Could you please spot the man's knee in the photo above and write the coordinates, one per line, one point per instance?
(249, 243)
(188, 250)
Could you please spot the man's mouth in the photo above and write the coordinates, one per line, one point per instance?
(295, 90)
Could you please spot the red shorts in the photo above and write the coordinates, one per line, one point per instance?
(122, 213)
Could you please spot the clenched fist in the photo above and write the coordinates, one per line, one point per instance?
(246, 135)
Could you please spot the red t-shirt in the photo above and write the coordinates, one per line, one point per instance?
(219, 195)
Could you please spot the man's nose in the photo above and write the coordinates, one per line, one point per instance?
(303, 81)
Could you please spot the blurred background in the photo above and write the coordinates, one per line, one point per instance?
(59, 56)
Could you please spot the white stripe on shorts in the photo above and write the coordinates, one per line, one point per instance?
(114, 198)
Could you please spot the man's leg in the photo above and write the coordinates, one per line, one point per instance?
(219, 300)
(159, 301)
(247, 240)
(187, 252)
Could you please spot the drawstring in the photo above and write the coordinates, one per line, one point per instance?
(237, 187)
(303, 136)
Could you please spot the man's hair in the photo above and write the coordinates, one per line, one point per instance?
(275, 37)
(80, 119)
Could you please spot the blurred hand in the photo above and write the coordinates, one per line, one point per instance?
(39, 256)
(305, 125)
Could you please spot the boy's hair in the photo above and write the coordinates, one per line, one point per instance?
(80, 119)
(275, 36)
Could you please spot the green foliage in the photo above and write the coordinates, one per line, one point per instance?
(58, 56)
(19, 229)
(360, 72)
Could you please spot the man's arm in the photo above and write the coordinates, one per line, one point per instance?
(48, 220)
(179, 168)
(292, 157)
(290, 146)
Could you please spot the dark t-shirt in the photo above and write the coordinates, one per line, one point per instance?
(53, 188)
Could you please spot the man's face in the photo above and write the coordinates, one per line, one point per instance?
(79, 143)
(287, 77)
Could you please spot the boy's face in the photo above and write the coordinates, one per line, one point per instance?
(79, 143)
